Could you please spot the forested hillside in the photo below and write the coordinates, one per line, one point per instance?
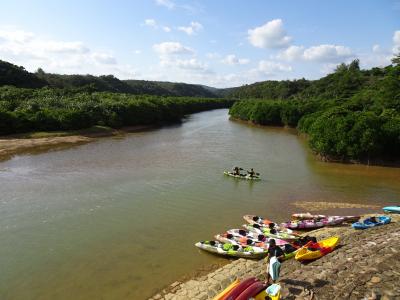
(351, 114)
(17, 76)
(46, 109)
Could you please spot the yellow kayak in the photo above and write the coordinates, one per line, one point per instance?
(227, 290)
(321, 248)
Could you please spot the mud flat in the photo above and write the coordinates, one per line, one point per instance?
(365, 265)
(38, 142)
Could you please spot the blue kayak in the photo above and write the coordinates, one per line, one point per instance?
(367, 223)
(392, 209)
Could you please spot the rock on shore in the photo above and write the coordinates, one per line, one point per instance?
(365, 265)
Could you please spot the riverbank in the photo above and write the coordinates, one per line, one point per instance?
(38, 142)
(395, 163)
(365, 265)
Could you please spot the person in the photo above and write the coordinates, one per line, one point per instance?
(251, 172)
(275, 257)
(236, 171)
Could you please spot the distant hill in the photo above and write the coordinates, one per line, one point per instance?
(17, 76)
(344, 82)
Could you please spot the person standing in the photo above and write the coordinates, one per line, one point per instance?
(275, 257)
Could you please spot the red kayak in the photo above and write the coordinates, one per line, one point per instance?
(252, 290)
(233, 294)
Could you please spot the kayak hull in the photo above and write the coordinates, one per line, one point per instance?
(230, 287)
(242, 286)
(246, 177)
(382, 220)
(286, 234)
(392, 209)
(251, 291)
(309, 216)
(304, 254)
(242, 252)
(313, 223)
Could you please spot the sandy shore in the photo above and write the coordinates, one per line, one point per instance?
(33, 143)
(365, 265)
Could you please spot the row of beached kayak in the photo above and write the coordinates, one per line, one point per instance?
(253, 241)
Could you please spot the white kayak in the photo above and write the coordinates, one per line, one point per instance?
(242, 176)
(227, 249)
(283, 234)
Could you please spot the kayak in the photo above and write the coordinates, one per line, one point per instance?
(253, 219)
(251, 291)
(230, 287)
(367, 223)
(243, 241)
(312, 251)
(308, 216)
(232, 250)
(283, 234)
(313, 223)
(273, 292)
(237, 290)
(241, 235)
(392, 209)
(242, 176)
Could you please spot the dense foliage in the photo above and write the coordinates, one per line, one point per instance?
(13, 75)
(351, 114)
(23, 110)
(17, 76)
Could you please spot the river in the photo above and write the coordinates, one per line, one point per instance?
(117, 218)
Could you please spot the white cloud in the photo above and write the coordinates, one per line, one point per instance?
(271, 67)
(16, 36)
(104, 58)
(137, 51)
(56, 56)
(327, 53)
(376, 48)
(213, 55)
(167, 3)
(187, 64)
(231, 59)
(269, 35)
(65, 47)
(320, 53)
(151, 23)
(292, 53)
(166, 29)
(396, 42)
(193, 28)
(172, 48)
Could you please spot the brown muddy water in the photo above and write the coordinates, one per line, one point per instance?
(117, 218)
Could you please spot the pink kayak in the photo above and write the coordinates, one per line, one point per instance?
(309, 216)
(306, 224)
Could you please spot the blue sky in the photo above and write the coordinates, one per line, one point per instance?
(217, 43)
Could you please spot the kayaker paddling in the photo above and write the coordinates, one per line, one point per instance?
(236, 171)
(251, 172)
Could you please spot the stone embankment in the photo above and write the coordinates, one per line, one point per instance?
(365, 265)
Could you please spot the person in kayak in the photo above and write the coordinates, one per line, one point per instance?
(236, 171)
(275, 257)
(251, 172)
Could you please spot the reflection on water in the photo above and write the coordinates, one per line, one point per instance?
(118, 218)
